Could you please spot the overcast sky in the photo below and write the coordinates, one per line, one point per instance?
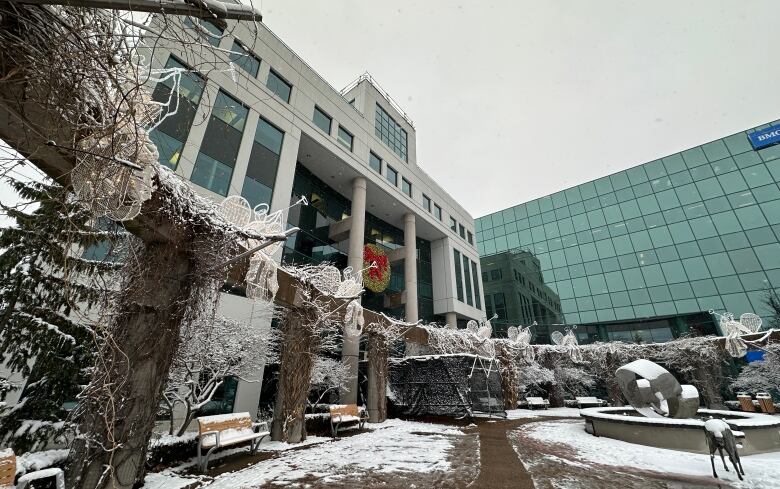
(518, 99)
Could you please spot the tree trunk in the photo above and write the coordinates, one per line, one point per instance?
(297, 348)
(120, 405)
(377, 378)
(508, 374)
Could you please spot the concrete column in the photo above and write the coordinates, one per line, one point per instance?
(451, 318)
(410, 267)
(350, 350)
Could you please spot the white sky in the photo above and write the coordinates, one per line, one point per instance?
(514, 100)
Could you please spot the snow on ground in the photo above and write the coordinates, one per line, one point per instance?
(166, 480)
(537, 413)
(761, 471)
(265, 446)
(394, 446)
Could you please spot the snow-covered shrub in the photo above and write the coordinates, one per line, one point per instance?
(762, 375)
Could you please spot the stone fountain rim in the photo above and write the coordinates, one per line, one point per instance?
(743, 420)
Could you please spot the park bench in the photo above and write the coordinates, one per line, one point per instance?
(535, 402)
(766, 402)
(345, 414)
(746, 402)
(224, 430)
(8, 473)
(586, 401)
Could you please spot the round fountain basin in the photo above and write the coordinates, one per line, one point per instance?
(762, 432)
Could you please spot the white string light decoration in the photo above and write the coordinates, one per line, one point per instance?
(734, 330)
(111, 189)
(569, 342)
(472, 327)
(522, 338)
(261, 280)
(352, 285)
(236, 210)
(353, 319)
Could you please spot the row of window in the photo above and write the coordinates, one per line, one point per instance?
(216, 159)
(468, 273)
(215, 175)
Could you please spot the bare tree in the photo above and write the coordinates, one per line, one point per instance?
(212, 351)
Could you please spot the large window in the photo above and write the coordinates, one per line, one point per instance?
(322, 120)
(453, 225)
(426, 202)
(467, 274)
(406, 186)
(462, 231)
(263, 164)
(345, 138)
(178, 111)
(279, 86)
(241, 57)
(392, 175)
(375, 162)
(458, 276)
(437, 211)
(390, 132)
(217, 157)
(475, 275)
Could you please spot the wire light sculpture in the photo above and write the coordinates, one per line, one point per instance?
(521, 337)
(734, 330)
(569, 343)
(109, 187)
(353, 319)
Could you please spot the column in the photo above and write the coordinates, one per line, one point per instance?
(410, 267)
(350, 350)
(452, 319)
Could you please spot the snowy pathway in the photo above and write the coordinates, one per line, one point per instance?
(403, 453)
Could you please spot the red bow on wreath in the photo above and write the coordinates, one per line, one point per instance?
(370, 256)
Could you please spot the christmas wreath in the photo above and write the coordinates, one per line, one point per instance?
(375, 278)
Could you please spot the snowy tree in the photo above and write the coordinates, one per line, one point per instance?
(45, 333)
(773, 301)
(327, 376)
(762, 375)
(210, 352)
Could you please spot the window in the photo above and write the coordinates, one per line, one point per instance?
(345, 138)
(213, 32)
(406, 186)
(263, 164)
(375, 162)
(426, 202)
(241, 57)
(390, 132)
(322, 120)
(467, 275)
(171, 134)
(458, 276)
(219, 149)
(462, 231)
(495, 274)
(475, 275)
(437, 211)
(453, 225)
(392, 175)
(470, 237)
(279, 86)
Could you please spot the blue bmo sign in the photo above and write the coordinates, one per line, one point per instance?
(765, 137)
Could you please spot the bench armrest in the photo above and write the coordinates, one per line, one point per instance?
(206, 433)
(258, 424)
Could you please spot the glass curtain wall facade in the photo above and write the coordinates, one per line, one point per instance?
(691, 232)
(312, 244)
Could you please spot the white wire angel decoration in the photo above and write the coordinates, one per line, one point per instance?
(352, 285)
(261, 281)
(733, 330)
(522, 338)
(353, 319)
(569, 342)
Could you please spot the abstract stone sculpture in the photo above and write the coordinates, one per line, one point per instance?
(655, 393)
